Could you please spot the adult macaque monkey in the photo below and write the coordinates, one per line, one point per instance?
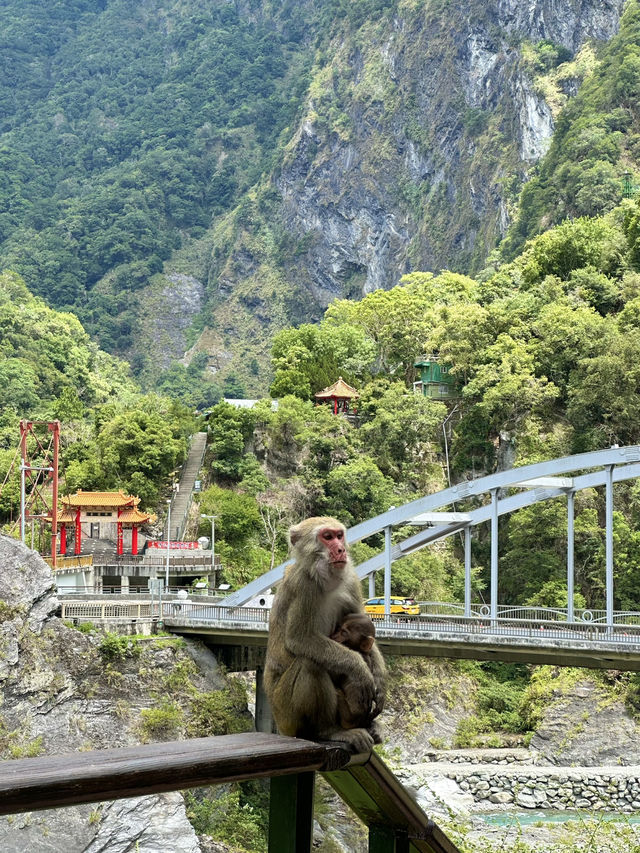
(303, 663)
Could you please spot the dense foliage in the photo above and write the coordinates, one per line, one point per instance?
(125, 128)
(112, 436)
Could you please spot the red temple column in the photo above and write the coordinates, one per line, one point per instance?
(335, 405)
(78, 546)
(134, 539)
(120, 545)
(63, 540)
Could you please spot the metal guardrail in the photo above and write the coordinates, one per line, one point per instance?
(82, 561)
(439, 620)
(67, 592)
(440, 617)
(105, 611)
(521, 611)
(160, 560)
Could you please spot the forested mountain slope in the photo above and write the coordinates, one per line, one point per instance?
(112, 437)
(596, 141)
(125, 129)
(235, 166)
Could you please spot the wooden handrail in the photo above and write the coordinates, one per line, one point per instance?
(383, 803)
(31, 784)
(364, 782)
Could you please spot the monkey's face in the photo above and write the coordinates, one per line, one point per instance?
(332, 539)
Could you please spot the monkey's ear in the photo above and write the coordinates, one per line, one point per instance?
(295, 533)
(366, 644)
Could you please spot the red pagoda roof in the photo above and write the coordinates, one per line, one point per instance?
(127, 504)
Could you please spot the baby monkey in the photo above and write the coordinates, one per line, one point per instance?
(357, 633)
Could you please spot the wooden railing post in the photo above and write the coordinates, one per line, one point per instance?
(386, 839)
(291, 813)
(264, 718)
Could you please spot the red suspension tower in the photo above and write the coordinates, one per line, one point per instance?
(39, 459)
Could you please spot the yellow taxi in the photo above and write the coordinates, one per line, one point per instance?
(399, 607)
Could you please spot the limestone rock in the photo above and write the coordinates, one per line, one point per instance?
(60, 694)
(581, 728)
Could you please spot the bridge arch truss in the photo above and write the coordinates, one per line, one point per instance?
(542, 481)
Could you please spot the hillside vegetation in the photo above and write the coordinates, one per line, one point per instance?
(596, 142)
(112, 436)
(248, 162)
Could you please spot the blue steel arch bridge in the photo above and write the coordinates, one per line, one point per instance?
(492, 630)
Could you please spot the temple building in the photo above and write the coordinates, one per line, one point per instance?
(101, 516)
(340, 395)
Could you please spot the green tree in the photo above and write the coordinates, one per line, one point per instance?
(230, 429)
(237, 515)
(400, 431)
(307, 359)
(358, 490)
(138, 450)
(505, 388)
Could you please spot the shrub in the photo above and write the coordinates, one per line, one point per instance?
(161, 722)
(219, 712)
(117, 647)
(228, 819)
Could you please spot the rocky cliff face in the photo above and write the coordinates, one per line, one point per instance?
(61, 693)
(585, 726)
(412, 131)
(420, 128)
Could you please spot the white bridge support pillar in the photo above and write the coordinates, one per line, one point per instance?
(494, 555)
(467, 571)
(387, 571)
(372, 584)
(609, 544)
(570, 554)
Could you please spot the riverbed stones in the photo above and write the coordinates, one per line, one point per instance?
(540, 787)
(501, 797)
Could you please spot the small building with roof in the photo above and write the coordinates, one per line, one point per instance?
(111, 516)
(436, 380)
(341, 396)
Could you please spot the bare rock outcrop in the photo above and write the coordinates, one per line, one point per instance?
(62, 693)
(586, 726)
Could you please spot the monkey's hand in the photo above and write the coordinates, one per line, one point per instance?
(360, 691)
(379, 699)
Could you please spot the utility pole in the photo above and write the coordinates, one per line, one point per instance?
(40, 467)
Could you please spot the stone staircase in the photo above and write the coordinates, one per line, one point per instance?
(181, 500)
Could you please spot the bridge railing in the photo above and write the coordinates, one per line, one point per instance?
(439, 618)
(215, 612)
(105, 611)
(536, 623)
(622, 632)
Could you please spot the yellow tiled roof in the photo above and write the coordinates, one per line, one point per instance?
(134, 516)
(338, 389)
(106, 499)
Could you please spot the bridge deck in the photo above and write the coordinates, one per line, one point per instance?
(561, 644)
